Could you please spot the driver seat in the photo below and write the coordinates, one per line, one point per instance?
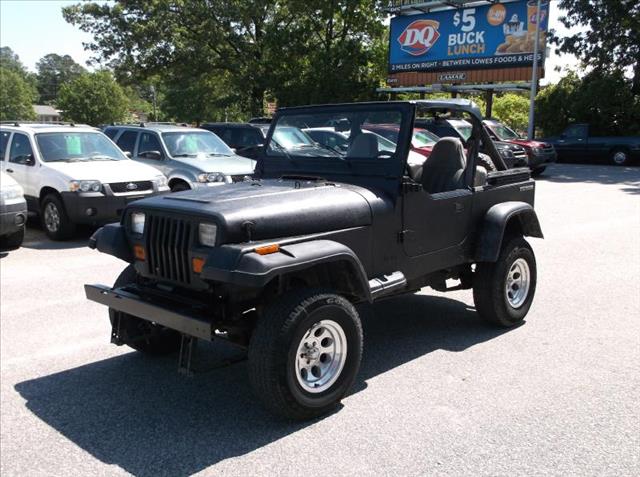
(444, 169)
(364, 145)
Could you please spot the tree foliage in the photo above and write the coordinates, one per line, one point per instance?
(16, 96)
(54, 71)
(513, 110)
(604, 100)
(217, 55)
(93, 98)
(611, 39)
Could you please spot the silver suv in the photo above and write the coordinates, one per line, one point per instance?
(190, 158)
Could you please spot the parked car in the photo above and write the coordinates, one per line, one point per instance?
(422, 140)
(512, 154)
(277, 264)
(74, 175)
(578, 142)
(540, 154)
(245, 139)
(13, 208)
(191, 158)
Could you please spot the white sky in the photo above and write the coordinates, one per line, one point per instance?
(34, 28)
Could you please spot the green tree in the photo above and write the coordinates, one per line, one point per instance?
(513, 110)
(604, 100)
(611, 39)
(54, 71)
(93, 98)
(16, 96)
(11, 61)
(241, 51)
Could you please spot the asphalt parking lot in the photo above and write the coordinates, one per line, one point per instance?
(439, 392)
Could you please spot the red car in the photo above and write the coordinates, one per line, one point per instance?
(422, 141)
(540, 154)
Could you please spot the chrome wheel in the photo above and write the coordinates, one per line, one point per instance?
(518, 283)
(620, 157)
(51, 217)
(321, 355)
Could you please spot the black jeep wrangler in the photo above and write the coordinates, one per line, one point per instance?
(276, 263)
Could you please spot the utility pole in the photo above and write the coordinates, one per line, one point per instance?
(155, 111)
(534, 75)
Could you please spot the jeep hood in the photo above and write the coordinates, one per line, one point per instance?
(269, 208)
(231, 165)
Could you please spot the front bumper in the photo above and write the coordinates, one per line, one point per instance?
(12, 217)
(542, 159)
(96, 208)
(127, 300)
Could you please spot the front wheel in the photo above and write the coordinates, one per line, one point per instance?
(57, 224)
(503, 291)
(538, 172)
(141, 335)
(305, 353)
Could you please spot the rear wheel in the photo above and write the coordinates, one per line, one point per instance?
(139, 334)
(503, 291)
(305, 353)
(620, 157)
(55, 221)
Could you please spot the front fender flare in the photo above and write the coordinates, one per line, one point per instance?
(111, 239)
(243, 267)
(495, 223)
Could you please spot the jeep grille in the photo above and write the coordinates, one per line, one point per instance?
(168, 241)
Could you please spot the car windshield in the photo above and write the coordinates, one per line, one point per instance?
(195, 144)
(464, 129)
(503, 132)
(422, 138)
(341, 135)
(77, 146)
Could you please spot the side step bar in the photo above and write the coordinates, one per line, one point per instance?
(386, 284)
(127, 302)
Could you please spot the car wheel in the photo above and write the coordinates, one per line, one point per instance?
(180, 186)
(503, 291)
(139, 334)
(620, 157)
(305, 353)
(12, 241)
(538, 172)
(55, 221)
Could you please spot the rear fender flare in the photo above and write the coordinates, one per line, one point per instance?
(500, 217)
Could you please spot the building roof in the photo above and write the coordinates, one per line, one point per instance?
(45, 110)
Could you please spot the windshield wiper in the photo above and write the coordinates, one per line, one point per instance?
(184, 155)
(102, 157)
(219, 154)
(302, 177)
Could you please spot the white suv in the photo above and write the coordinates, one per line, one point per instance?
(73, 175)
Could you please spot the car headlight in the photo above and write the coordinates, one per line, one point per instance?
(11, 192)
(137, 222)
(161, 181)
(506, 153)
(538, 150)
(212, 177)
(207, 234)
(85, 186)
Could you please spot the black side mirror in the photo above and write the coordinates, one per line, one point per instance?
(128, 154)
(155, 155)
(29, 160)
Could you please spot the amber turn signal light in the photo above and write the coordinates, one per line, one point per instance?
(139, 252)
(267, 249)
(197, 263)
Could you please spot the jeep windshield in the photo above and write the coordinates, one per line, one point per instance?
(335, 138)
(76, 147)
(195, 144)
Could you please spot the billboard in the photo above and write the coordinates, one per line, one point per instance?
(498, 35)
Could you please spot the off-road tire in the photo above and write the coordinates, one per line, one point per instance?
(485, 161)
(490, 282)
(65, 228)
(157, 340)
(12, 241)
(620, 157)
(274, 346)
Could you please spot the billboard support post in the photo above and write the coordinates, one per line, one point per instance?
(534, 75)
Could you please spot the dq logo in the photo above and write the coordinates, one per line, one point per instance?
(419, 37)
